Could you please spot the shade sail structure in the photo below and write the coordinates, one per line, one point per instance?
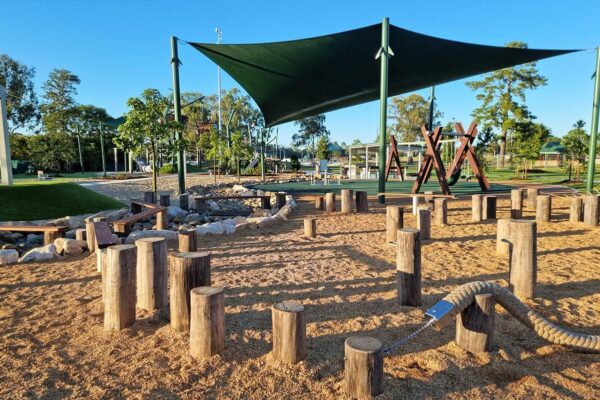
(295, 79)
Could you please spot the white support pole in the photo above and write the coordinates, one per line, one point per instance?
(116, 160)
(5, 162)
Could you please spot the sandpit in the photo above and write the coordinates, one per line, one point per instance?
(52, 342)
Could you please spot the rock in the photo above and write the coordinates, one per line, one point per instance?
(43, 253)
(192, 217)
(70, 246)
(173, 211)
(147, 225)
(171, 236)
(213, 205)
(10, 237)
(8, 246)
(217, 228)
(70, 234)
(8, 256)
(34, 240)
(180, 217)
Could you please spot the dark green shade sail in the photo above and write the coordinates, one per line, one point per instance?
(295, 79)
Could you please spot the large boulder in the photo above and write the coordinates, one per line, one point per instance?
(8, 256)
(70, 246)
(173, 211)
(34, 239)
(217, 228)
(43, 253)
(171, 236)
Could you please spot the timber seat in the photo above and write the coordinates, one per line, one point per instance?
(50, 232)
(265, 201)
(142, 211)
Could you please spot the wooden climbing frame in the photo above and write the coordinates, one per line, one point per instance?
(466, 151)
(431, 160)
(393, 157)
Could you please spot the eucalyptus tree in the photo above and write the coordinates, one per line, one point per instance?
(576, 143)
(22, 106)
(408, 114)
(310, 129)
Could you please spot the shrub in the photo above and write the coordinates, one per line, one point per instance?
(168, 169)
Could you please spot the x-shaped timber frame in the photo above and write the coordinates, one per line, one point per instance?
(466, 150)
(431, 160)
(393, 157)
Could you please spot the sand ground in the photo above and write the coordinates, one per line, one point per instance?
(52, 343)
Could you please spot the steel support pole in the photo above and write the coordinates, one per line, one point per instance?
(80, 153)
(431, 108)
(102, 151)
(177, 113)
(384, 53)
(5, 161)
(594, 126)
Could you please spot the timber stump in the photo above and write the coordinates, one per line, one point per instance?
(408, 267)
(289, 332)
(207, 321)
(363, 367)
(523, 258)
(394, 220)
(151, 273)
(475, 325)
(119, 287)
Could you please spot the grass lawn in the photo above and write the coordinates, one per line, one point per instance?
(50, 199)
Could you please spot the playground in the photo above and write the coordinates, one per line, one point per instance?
(55, 347)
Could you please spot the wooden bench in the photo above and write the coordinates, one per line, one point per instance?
(141, 210)
(265, 201)
(416, 196)
(50, 232)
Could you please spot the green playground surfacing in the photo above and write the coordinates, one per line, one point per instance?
(370, 186)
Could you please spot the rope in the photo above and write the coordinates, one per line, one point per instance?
(464, 295)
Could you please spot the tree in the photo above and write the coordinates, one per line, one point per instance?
(409, 114)
(502, 94)
(19, 146)
(145, 126)
(483, 146)
(310, 129)
(528, 138)
(21, 103)
(239, 150)
(58, 109)
(52, 151)
(323, 148)
(295, 163)
(576, 143)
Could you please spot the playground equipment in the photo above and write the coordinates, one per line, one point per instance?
(433, 160)
(393, 157)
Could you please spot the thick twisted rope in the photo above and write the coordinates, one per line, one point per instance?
(464, 295)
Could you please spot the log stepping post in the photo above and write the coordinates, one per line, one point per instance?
(90, 235)
(408, 267)
(363, 367)
(149, 197)
(119, 286)
(165, 200)
(440, 211)
(475, 325)
(523, 258)
(394, 220)
(188, 240)
(161, 219)
(516, 203)
(476, 207)
(151, 273)
(362, 201)
(280, 199)
(543, 212)
(187, 271)
(81, 234)
(346, 201)
(184, 201)
(330, 202)
(591, 210)
(576, 210)
(289, 332)
(310, 227)
(207, 321)
(416, 200)
(428, 197)
(503, 237)
(489, 207)
(424, 222)
(320, 203)
(101, 259)
(532, 194)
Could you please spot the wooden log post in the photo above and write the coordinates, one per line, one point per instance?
(90, 235)
(591, 210)
(310, 227)
(476, 207)
(428, 197)
(207, 321)
(165, 200)
(199, 204)
(81, 234)
(576, 210)
(184, 201)
(523, 258)
(151, 273)
(265, 203)
(503, 237)
(362, 201)
(516, 203)
(475, 325)
(408, 267)
(543, 212)
(424, 222)
(161, 219)
(51, 236)
(134, 207)
(440, 211)
(188, 240)
(346, 200)
(101, 259)
(187, 271)
(330, 202)
(280, 199)
(289, 332)
(320, 203)
(416, 200)
(394, 220)
(149, 197)
(363, 367)
(119, 296)
(489, 207)
(532, 194)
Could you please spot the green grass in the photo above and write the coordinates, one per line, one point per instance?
(50, 199)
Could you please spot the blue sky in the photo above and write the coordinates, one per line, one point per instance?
(119, 48)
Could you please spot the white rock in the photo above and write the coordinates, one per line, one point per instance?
(214, 205)
(172, 211)
(47, 252)
(70, 246)
(8, 256)
(217, 228)
(260, 212)
(239, 188)
(171, 236)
